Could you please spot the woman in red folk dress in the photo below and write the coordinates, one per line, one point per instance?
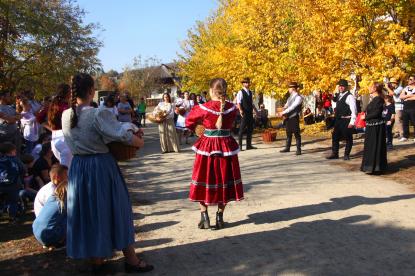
(216, 178)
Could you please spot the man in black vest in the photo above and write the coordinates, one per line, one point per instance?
(345, 119)
(246, 109)
(291, 114)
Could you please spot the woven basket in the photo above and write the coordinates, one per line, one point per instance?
(156, 119)
(269, 136)
(121, 151)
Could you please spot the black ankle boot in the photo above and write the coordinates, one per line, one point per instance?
(204, 220)
(219, 220)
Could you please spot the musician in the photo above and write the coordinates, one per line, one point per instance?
(291, 114)
(246, 107)
(345, 115)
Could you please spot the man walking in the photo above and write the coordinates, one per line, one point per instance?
(291, 114)
(246, 107)
(345, 119)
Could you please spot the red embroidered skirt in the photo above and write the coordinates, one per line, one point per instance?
(216, 179)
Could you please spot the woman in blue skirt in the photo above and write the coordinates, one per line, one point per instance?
(99, 210)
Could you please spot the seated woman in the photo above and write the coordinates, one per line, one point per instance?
(308, 117)
(320, 114)
(49, 226)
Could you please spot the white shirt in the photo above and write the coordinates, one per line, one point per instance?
(398, 102)
(44, 193)
(239, 96)
(351, 102)
(297, 101)
(30, 126)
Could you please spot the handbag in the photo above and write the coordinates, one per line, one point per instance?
(360, 122)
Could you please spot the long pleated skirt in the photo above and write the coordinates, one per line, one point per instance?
(374, 151)
(216, 180)
(100, 217)
(169, 141)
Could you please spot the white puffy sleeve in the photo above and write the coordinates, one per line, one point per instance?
(111, 129)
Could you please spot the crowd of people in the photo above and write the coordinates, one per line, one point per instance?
(54, 153)
(54, 157)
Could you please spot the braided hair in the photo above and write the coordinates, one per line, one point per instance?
(219, 86)
(81, 84)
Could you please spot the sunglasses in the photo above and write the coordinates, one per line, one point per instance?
(411, 79)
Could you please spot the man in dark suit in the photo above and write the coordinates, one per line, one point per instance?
(246, 108)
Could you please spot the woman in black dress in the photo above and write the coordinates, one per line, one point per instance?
(374, 152)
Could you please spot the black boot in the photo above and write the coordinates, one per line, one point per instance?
(287, 145)
(204, 220)
(219, 221)
(298, 144)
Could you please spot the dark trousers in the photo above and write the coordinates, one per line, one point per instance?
(389, 134)
(341, 131)
(408, 115)
(247, 122)
(292, 126)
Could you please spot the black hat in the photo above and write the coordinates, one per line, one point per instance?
(343, 82)
(246, 80)
(293, 84)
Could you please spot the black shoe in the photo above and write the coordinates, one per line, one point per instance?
(250, 147)
(333, 156)
(298, 152)
(346, 157)
(204, 220)
(137, 268)
(219, 221)
(285, 150)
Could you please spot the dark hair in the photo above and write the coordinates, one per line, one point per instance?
(110, 99)
(389, 99)
(379, 88)
(42, 137)
(54, 111)
(7, 147)
(27, 158)
(168, 95)
(46, 147)
(81, 83)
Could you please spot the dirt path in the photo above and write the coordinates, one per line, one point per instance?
(302, 215)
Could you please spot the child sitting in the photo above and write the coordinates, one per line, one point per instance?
(43, 139)
(49, 227)
(58, 173)
(11, 174)
(28, 193)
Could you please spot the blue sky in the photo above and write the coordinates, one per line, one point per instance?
(143, 27)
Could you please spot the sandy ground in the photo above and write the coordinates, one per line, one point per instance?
(302, 215)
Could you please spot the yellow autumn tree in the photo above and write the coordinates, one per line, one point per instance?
(315, 42)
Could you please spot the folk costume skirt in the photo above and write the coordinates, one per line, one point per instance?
(99, 209)
(374, 151)
(216, 177)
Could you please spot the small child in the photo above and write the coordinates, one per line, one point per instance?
(43, 139)
(49, 227)
(58, 173)
(389, 116)
(11, 175)
(29, 125)
(28, 193)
